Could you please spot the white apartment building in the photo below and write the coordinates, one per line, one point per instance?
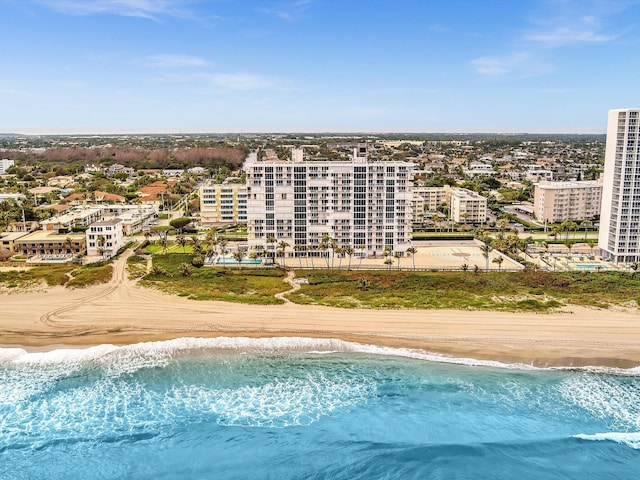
(479, 170)
(467, 206)
(620, 212)
(104, 238)
(359, 203)
(135, 218)
(223, 204)
(5, 164)
(559, 201)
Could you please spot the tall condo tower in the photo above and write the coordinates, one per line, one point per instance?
(360, 203)
(620, 213)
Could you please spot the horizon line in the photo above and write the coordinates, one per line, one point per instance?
(268, 132)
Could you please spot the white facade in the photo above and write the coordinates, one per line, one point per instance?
(428, 200)
(104, 238)
(358, 203)
(467, 206)
(620, 212)
(5, 164)
(223, 204)
(560, 201)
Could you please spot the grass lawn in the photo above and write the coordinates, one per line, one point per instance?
(257, 286)
(173, 248)
(519, 291)
(69, 275)
(136, 266)
(93, 274)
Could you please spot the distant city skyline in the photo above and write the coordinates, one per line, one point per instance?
(196, 66)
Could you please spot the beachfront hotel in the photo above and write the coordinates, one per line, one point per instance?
(359, 203)
(222, 204)
(620, 212)
(555, 202)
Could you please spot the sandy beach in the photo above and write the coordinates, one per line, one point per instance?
(121, 313)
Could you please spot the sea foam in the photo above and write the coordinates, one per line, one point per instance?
(148, 354)
(631, 439)
(129, 358)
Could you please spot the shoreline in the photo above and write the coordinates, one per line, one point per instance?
(454, 351)
(121, 313)
(106, 315)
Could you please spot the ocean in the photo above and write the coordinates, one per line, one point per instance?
(296, 408)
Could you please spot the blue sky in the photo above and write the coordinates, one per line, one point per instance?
(104, 66)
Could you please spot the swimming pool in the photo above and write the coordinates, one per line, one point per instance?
(588, 266)
(233, 261)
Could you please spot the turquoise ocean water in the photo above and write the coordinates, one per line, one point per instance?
(308, 409)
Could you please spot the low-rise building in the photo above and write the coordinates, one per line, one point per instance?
(60, 181)
(428, 200)
(8, 240)
(135, 218)
(104, 238)
(43, 243)
(79, 216)
(223, 204)
(560, 201)
(467, 206)
(18, 197)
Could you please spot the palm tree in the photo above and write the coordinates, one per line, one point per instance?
(388, 262)
(68, 243)
(437, 218)
(349, 251)
(397, 256)
(569, 244)
(340, 252)
(555, 231)
(465, 267)
(164, 241)
(223, 250)
(361, 247)
(499, 261)
(592, 243)
(182, 241)
(486, 250)
(282, 249)
(101, 242)
(239, 255)
(568, 226)
(325, 244)
(502, 224)
(525, 245)
(586, 224)
(412, 251)
(271, 240)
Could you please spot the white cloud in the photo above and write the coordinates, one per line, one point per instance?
(174, 61)
(222, 81)
(238, 81)
(583, 30)
(151, 9)
(519, 64)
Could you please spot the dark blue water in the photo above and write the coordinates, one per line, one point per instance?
(189, 409)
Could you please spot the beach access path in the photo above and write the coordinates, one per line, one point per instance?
(121, 312)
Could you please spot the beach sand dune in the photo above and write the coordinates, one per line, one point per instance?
(121, 312)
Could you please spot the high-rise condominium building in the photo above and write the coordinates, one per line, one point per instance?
(620, 213)
(359, 203)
